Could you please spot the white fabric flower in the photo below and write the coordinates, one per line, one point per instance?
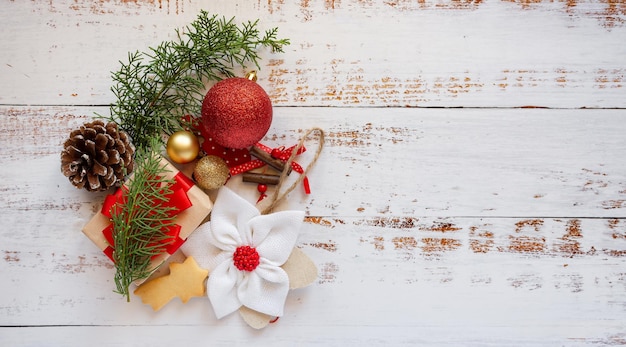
(244, 252)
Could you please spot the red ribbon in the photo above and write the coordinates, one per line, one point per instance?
(177, 200)
(240, 160)
(232, 157)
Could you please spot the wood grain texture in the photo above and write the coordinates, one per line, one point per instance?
(423, 243)
(489, 212)
(440, 53)
(412, 162)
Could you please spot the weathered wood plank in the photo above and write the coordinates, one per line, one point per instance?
(430, 53)
(378, 277)
(523, 163)
(344, 335)
(474, 227)
(505, 224)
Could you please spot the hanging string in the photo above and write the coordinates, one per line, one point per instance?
(278, 196)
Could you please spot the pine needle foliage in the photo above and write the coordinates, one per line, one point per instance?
(140, 222)
(155, 89)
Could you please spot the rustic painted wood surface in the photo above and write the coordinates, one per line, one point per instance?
(492, 211)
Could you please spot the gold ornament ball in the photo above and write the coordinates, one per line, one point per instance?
(211, 172)
(183, 147)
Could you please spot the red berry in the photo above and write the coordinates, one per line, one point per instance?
(276, 153)
(246, 258)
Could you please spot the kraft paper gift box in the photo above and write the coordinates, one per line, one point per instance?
(193, 203)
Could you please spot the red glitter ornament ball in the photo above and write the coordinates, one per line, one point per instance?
(236, 112)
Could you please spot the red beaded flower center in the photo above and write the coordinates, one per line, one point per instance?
(246, 258)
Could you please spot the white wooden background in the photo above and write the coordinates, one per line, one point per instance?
(472, 190)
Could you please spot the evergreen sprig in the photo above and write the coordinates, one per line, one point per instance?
(155, 89)
(140, 222)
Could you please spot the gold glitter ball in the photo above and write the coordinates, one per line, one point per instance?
(211, 172)
(182, 147)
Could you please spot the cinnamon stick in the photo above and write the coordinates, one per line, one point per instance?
(267, 158)
(260, 178)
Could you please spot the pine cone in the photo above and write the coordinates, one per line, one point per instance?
(95, 156)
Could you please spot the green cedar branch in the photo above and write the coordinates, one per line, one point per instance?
(155, 89)
(140, 223)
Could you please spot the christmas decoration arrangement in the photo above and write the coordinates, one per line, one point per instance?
(166, 144)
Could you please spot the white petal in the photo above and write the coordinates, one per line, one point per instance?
(274, 235)
(265, 290)
(222, 288)
(229, 220)
(199, 246)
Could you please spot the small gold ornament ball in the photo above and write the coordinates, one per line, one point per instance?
(211, 172)
(183, 147)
